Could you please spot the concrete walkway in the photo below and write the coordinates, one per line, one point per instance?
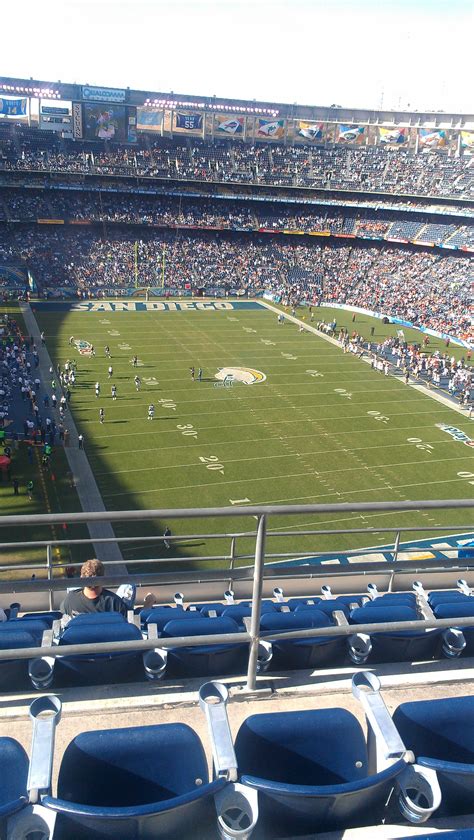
(87, 490)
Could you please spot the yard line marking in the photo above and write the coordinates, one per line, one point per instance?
(218, 483)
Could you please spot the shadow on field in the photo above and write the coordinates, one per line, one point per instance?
(177, 557)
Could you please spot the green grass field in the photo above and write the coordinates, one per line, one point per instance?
(310, 433)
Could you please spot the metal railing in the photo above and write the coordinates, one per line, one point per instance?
(251, 635)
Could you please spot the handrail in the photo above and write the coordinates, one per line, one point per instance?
(235, 510)
(241, 637)
(257, 571)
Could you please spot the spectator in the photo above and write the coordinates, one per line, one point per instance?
(93, 598)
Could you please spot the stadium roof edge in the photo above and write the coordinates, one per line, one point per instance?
(11, 86)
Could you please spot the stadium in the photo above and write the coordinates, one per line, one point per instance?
(237, 392)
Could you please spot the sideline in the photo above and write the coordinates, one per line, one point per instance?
(412, 384)
(86, 485)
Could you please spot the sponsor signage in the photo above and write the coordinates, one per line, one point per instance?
(77, 120)
(102, 94)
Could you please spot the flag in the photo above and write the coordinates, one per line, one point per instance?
(231, 125)
(271, 128)
(350, 133)
(310, 130)
(13, 107)
(395, 136)
(433, 138)
(467, 139)
(149, 119)
(189, 122)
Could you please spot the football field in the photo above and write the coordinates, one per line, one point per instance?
(313, 425)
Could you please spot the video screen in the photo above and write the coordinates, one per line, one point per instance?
(105, 122)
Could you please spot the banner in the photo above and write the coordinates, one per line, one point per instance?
(310, 130)
(395, 136)
(230, 125)
(13, 107)
(105, 122)
(149, 119)
(100, 94)
(271, 128)
(467, 139)
(433, 138)
(350, 133)
(188, 122)
(77, 120)
(132, 126)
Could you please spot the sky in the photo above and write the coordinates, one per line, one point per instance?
(402, 54)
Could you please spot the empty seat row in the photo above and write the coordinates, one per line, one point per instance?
(285, 775)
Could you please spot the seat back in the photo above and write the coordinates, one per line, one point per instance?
(200, 626)
(311, 771)
(97, 618)
(161, 619)
(14, 764)
(148, 781)
(397, 646)
(97, 668)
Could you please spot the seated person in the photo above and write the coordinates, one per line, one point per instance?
(92, 599)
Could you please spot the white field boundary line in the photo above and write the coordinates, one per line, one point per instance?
(249, 481)
(426, 392)
(325, 451)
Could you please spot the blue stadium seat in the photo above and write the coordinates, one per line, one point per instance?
(311, 772)
(14, 672)
(446, 597)
(327, 607)
(96, 618)
(146, 781)
(301, 653)
(394, 599)
(441, 735)
(161, 617)
(145, 613)
(401, 646)
(204, 609)
(293, 603)
(34, 626)
(97, 669)
(14, 764)
(139, 782)
(208, 659)
(350, 599)
(49, 616)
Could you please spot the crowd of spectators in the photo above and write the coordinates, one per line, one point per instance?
(367, 168)
(231, 214)
(424, 287)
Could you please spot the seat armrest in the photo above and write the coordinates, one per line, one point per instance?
(385, 745)
(213, 700)
(45, 712)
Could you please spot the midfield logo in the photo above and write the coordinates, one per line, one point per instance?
(248, 376)
(456, 433)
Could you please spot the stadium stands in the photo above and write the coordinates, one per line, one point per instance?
(366, 169)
